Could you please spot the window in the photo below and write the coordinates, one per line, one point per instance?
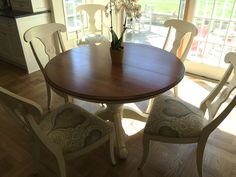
(151, 30)
(71, 17)
(216, 23)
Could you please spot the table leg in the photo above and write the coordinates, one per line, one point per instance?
(113, 112)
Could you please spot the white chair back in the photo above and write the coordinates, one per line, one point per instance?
(221, 93)
(46, 42)
(45, 33)
(91, 18)
(182, 28)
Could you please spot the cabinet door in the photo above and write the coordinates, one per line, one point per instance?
(30, 5)
(5, 49)
(16, 49)
(10, 45)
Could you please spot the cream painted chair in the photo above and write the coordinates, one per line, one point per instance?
(182, 29)
(173, 120)
(44, 48)
(67, 133)
(92, 28)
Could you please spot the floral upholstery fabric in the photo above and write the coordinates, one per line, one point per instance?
(173, 117)
(73, 128)
(92, 39)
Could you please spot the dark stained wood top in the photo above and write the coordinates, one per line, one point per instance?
(86, 72)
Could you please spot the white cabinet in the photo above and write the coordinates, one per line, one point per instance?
(13, 48)
(30, 5)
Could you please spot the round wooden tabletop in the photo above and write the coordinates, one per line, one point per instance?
(86, 72)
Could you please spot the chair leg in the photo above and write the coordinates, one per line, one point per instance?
(112, 141)
(61, 165)
(49, 96)
(200, 152)
(150, 103)
(176, 91)
(146, 142)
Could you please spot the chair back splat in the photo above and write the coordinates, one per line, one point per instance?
(220, 95)
(50, 37)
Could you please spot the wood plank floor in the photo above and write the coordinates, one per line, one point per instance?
(165, 160)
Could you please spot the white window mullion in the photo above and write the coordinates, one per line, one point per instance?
(71, 13)
(217, 38)
(227, 32)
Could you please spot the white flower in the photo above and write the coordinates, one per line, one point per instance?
(132, 10)
(131, 7)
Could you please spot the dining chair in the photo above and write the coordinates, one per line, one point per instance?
(67, 132)
(91, 24)
(182, 29)
(181, 43)
(43, 35)
(173, 120)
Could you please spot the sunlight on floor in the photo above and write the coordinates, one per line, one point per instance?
(194, 90)
(131, 126)
(228, 125)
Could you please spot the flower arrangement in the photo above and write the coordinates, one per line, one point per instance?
(132, 10)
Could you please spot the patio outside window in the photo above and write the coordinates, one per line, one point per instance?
(216, 23)
(149, 28)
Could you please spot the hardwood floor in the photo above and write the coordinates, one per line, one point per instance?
(165, 160)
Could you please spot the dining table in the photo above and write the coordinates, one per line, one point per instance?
(87, 73)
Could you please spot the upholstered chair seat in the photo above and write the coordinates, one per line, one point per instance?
(173, 117)
(73, 128)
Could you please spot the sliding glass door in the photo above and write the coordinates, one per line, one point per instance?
(216, 23)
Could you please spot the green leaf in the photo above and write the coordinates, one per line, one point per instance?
(114, 39)
(119, 42)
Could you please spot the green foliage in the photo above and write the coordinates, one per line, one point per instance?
(116, 43)
(204, 8)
